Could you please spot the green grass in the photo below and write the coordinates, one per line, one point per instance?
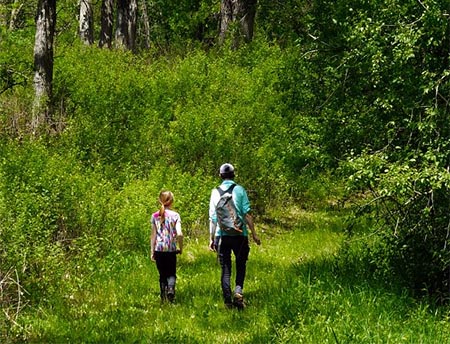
(294, 292)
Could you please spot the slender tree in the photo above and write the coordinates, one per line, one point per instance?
(145, 23)
(17, 7)
(240, 13)
(86, 22)
(126, 24)
(132, 24)
(2, 17)
(107, 20)
(43, 62)
(247, 13)
(4, 14)
(121, 29)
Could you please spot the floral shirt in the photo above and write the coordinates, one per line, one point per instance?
(166, 233)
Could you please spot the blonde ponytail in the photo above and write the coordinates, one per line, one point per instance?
(165, 199)
(161, 214)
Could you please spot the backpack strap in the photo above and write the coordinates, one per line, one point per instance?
(230, 190)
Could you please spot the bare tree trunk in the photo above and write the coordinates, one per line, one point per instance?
(3, 16)
(145, 23)
(237, 16)
(107, 23)
(247, 13)
(86, 22)
(17, 6)
(126, 24)
(43, 63)
(121, 29)
(132, 24)
(226, 17)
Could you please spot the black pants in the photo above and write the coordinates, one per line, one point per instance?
(166, 262)
(239, 246)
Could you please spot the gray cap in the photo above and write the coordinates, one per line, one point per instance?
(226, 168)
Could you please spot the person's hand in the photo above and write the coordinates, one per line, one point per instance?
(179, 251)
(153, 257)
(212, 246)
(256, 239)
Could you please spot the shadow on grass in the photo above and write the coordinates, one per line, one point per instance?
(307, 290)
(304, 220)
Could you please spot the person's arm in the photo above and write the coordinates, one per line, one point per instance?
(212, 222)
(245, 206)
(212, 233)
(153, 242)
(179, 237)
(251, 226)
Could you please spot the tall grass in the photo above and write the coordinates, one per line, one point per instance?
(294, 291)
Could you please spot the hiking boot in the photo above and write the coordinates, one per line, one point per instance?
(171, 294)
(238, 301)
(163, 291)
(228, 305)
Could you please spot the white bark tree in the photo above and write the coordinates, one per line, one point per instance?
(237, 19)
(145, 23)
(132, 23)
(17, 7)
(86, 22)
(43, 63)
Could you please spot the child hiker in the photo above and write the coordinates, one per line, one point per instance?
(166, 236)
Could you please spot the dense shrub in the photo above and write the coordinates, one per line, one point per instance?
(132, 115)
(46, 205)
(368, 85)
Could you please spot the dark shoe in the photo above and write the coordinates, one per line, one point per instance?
(171, 294)
(238, 301)
(163, 291)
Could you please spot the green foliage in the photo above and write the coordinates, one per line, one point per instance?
(410, 201)
(176, 25)
(177, 113)
(45, 206)
(283, 21)
(16, 68)
(405, 165)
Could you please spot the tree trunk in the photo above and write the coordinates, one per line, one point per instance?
(132, 24)
(146, 24)
(17, 6)
(107, 23)
(43, 63)
(226, 17)
(237, 19)
(247, 13)
(126, 24)
(86, 22)
(3, 18)
(120, 37)
(5, 14)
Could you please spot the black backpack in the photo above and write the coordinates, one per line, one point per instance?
(227, 216)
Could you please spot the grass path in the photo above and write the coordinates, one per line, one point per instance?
(293, 293)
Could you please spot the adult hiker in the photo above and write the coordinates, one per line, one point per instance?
(165, 238)
(230, 221)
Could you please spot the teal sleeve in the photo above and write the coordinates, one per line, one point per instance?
(242, 201)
